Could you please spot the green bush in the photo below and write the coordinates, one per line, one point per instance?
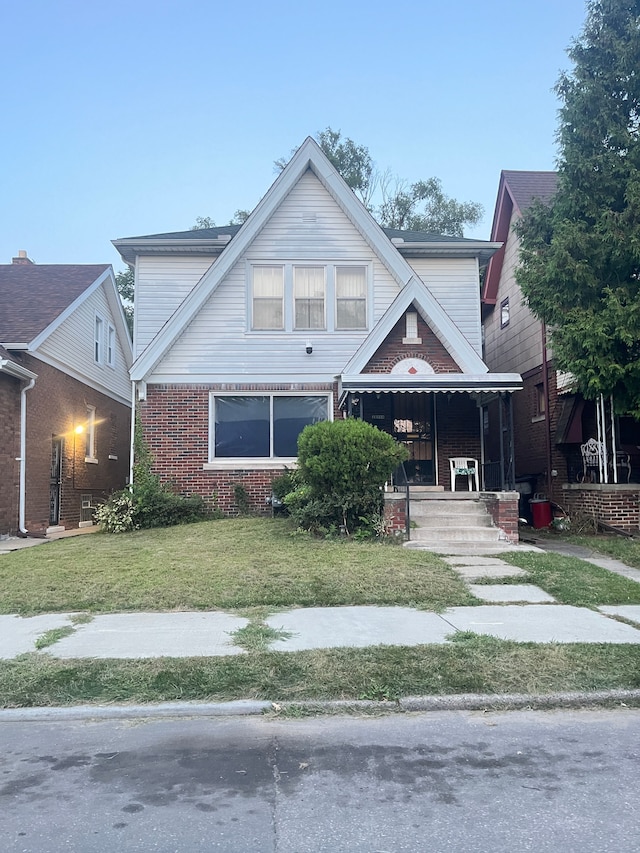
(343, 466)
(149, 503)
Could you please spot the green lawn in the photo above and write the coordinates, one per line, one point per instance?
(626, 550)
(227, 564)
(259, 565)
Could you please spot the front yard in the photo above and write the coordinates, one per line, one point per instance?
(256, 566)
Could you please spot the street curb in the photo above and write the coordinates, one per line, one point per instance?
(241, 708)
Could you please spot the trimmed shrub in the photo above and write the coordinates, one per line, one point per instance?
(343, 466)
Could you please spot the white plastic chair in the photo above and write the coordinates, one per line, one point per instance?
(463, 466)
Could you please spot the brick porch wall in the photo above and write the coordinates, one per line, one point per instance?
(503, 509)
(617, 505)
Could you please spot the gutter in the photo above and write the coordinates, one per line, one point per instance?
(16, 370)
(23, 454)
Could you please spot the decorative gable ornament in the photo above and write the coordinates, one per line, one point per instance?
(412, 366)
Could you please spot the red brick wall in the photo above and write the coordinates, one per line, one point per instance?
(9, 451)
(503, 508)
(395, 515)
(55, 405)
(458, 424)
(617, 505)
(393, 350)
(175, 420)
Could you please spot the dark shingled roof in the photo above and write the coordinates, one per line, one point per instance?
(33, 295)
(525, 186)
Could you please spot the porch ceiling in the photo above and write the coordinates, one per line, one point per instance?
(463, 383)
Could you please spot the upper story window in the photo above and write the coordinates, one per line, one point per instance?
(351, 298)
(306, 297)
(111, 346)
(268, 297)
(98, 339)
(309, 298)
(504, 313)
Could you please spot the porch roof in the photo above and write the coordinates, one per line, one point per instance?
(388, 383)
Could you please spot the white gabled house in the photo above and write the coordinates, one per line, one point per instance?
(309, 310)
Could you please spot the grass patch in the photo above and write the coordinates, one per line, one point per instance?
(227, 564)
(256, 636)
(472, 664)
(52, 636)
(625, 550)
(573, 581)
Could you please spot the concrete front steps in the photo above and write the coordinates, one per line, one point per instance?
(456, 525)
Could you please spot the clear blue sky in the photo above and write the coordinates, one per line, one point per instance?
(127, 118)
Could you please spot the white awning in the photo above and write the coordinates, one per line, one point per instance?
(462, 383)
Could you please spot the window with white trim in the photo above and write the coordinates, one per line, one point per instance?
(90, 435)
(304, 297)
(351, 298)
(267, 297)
(111, 346)
(98, 338)
(262, 426)
(309, 289)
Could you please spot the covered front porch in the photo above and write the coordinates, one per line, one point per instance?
(441, 420)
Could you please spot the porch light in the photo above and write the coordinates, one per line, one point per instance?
(79, 429)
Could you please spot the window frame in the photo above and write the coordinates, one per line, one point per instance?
(111, 346)
(256, 462)
(98, 338)
(252, 298)
(90, 436)
(504, 309)
(330, 299)
(339, 299)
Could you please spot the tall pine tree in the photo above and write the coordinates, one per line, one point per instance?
(580, 257)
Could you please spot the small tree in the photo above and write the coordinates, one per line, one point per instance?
(343, 466)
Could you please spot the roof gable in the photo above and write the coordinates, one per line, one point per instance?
(516, 192)
(416, 293)
(308, 156)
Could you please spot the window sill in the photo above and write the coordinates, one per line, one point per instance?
(538, 419)
(253, 464)
(91, 460)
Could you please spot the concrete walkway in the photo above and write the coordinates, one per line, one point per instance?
(518, 612)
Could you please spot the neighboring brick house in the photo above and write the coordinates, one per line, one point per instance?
(65, 400)
(308, 311)
(550, 421)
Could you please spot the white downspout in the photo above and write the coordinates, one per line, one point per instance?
(23, 455)
(133, 433)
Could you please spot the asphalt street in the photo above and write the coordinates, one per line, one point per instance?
(448, 781)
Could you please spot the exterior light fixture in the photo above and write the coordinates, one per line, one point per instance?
(309, 347)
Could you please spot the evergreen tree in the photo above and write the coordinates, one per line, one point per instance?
(580, 256)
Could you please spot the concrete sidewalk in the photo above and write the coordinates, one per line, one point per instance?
(536, 618)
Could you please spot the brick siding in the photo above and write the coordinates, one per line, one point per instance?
(393, 350)
(55, 405)
(617, 505)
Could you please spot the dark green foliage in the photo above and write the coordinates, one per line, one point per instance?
(149, 503)
(125, 282)
(580, 257)
(343, 466)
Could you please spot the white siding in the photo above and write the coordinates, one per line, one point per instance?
(162, 283)
(454, 283)
(308, 226)
(517, 347)
(70, 347)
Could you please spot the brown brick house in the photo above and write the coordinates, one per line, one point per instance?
(308, 311)
(551, 421)
(64, 394)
